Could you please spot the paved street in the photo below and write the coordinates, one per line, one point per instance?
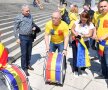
(88, 82)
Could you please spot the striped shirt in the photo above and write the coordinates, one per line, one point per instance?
(23, 25)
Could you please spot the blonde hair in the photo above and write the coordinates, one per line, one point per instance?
(74, 8)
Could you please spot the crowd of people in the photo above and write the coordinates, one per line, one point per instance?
(78, 29)
(81, 31)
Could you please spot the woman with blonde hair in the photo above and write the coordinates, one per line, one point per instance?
(73, 16)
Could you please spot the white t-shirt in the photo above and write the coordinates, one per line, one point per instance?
(83, 29)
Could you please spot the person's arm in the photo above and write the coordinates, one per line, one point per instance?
(47, 42)
(16, 28)
(47, 33)
(103, 37)
(66, 39)
(94, 34)
(73, 30)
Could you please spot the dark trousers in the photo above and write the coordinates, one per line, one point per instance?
(104, 62)
(26, 49)
(34, 3)
(74, 51)
(62, 2)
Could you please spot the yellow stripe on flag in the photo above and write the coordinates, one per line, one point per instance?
(1, 49)
(0, 65)
(53, 67)
(17, 78)
(101, 47)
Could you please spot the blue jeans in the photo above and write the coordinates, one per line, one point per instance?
(104, 62)
(26, 49)
(54, 47)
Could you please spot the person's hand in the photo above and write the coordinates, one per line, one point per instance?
(18, 41)
(64, 52)
(76, 34)
(94, 36)
(73, 37)
(83, 36)
(47, 49)
(34, 28)
(103, 37)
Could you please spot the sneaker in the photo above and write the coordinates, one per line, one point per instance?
(100, 77)
(75, 74)
(84, 73)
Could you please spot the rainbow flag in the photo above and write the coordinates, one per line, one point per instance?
(54, 67)
(59, 32)
(83, 58)
(16, 77)
(101, 47)
(3, 56)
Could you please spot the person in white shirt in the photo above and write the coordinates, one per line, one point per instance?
(83, 28)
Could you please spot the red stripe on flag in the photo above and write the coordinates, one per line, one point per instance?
(100, 52)
(76, 42)
(48, 66)
(22, 77)
(4, 57)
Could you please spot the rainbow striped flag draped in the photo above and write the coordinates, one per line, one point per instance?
(83, 58)
(3, 56)
(54, 67)
(16, 77)
(101, 47)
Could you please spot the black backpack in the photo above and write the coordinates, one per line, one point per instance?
(65, 17)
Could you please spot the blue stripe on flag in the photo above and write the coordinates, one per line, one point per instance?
(11, 78)
(80, 55)
(58, 67)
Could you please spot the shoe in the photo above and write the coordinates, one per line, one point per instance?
(26, 72)
(75, 74)
(84, 73)
(30, 68)
(100, 77)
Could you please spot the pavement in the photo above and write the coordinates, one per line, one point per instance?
(88, 82)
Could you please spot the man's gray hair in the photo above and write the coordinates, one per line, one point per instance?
(24, 6)
(57, 11)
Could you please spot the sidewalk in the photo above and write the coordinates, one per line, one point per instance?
(71, 83)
